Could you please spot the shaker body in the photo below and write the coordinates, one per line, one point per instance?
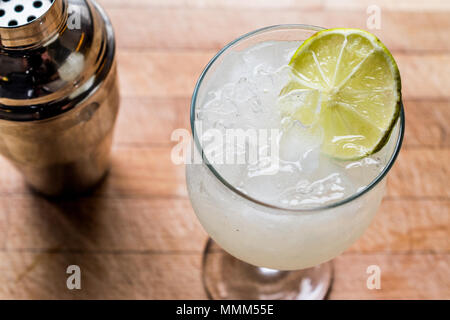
(68, 153)
(65, 147)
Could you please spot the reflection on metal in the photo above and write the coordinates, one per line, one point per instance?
(58, 94)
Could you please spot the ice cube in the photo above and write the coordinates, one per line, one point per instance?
(299, 143)
(280, 78)
(262, 80)
(270, 187)
(243, 89)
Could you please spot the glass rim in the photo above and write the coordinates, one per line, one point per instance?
(241, 194)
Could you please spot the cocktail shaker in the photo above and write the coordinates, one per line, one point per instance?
(59, 97)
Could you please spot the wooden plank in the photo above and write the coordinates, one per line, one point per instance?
(144, 172)
(178, 276)
(151, 121)
(420, 173)
(218, 4)
(103, 225)
(424, 76)
(410, 276)
(426, 123)
(149, 172)
(11, 181)
(169, 225)
(174, 73)
(398, 5)
(407, 226)
(160, 74)
(136, 171)
(429, 225)
(401, 5)
(29, 275)
(207, 28)
(3, 223)
(389, 230)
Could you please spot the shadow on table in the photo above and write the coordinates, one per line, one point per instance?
(64, 232)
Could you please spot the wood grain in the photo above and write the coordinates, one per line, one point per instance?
(399, 228)
(189, 4)
(419, 276)
(149, 172)
(92, 225)
(3, 224)
(27, 275)
(170, 225)
(400, 31)
(154, 120)
(398, 5)
(426, 121)
(174, 73)
(420, 173)
(137, 236)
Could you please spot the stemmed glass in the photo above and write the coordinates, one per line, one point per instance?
(259, 250)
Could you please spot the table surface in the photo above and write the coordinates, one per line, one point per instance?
(137, 236)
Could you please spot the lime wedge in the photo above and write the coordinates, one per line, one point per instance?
(353, 91)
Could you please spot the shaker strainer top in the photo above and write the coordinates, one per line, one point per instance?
(15, 13)
(50, 65)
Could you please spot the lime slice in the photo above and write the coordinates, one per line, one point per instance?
(351, 91)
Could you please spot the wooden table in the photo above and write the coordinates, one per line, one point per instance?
(137, 237)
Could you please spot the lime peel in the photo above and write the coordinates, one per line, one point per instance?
(360, 90)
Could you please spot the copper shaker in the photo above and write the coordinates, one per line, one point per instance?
(59, 97)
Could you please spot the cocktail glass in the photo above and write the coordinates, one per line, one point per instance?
(262, 251)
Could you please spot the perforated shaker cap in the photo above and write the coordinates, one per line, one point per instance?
(16, 13)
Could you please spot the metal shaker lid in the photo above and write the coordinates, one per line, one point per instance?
(15, 13)
(53, 53)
